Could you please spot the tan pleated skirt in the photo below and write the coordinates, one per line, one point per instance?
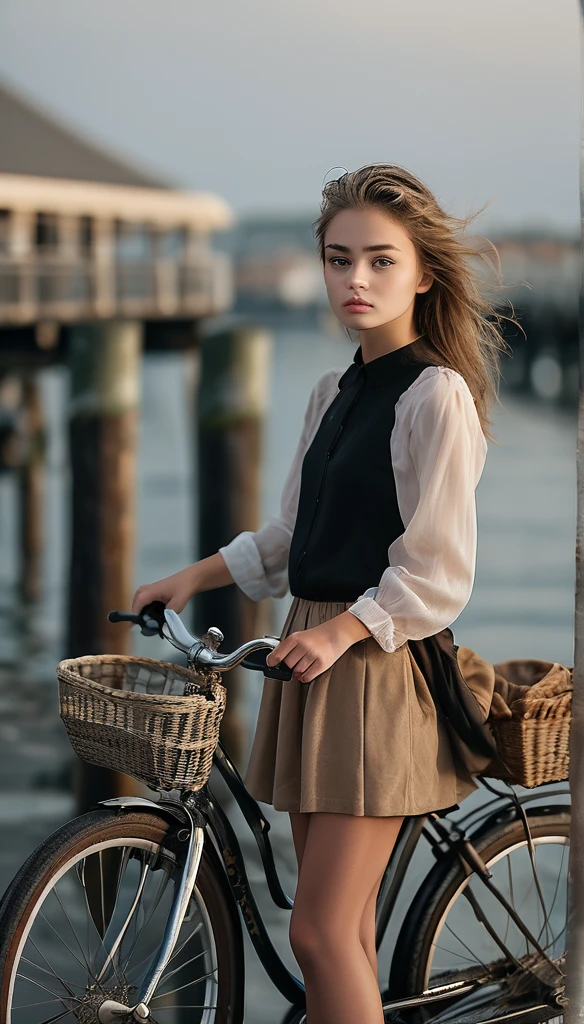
(361, 738)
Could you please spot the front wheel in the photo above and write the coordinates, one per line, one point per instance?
(85, 916)
(453, 932)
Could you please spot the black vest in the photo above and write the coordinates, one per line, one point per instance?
(348, 513)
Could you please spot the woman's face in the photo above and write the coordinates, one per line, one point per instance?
(369, 256)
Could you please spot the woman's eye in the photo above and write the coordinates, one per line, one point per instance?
(340, 261)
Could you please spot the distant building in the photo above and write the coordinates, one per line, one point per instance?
(277, 266)
(550, 264)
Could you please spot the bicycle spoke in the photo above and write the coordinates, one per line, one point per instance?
(186, 1006)
(84, 966)
(59, 998)
(178, 950)
(475, 959)
(186, 985)
(553, 903)
(147, 921)
(87, 964)
(124, 860)
(452, 952)
(558, 936)
(43, 1002)
(53, 1020)
(532, 856)
(182, 946)
(512, 901)
(118, 941)
(181, 966)
(51, 973)
(80, 875)
(102, 891)
(528, 901)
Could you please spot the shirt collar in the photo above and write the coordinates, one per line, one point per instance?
(382, 369)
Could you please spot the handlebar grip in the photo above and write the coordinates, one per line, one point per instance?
(150, 619)
(257, 661)
(123, 617)
(155, 610)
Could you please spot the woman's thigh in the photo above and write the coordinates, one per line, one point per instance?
(343, 858)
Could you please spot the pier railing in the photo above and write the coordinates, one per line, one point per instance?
(42, 287)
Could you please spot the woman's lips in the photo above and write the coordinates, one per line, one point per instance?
(357, 307)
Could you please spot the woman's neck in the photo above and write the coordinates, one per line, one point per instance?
(373, 347)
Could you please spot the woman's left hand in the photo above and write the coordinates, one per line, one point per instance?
(311, 651)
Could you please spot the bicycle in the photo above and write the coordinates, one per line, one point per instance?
(135, 910)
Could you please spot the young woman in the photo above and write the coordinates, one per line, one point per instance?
(377, 543)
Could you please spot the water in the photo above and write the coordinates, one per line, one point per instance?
(521, 606)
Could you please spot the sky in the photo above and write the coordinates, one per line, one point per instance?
(263, 101)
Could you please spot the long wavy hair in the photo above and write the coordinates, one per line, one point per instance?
(461, 323)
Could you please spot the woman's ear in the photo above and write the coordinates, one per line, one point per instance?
(425, 283)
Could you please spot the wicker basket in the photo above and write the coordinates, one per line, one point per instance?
(132, 715)
(534, 739)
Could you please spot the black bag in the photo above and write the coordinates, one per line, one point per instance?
(454, 700)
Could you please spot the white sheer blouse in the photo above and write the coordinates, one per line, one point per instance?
(438, 453)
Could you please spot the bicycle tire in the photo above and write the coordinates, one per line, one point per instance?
(410, 968)
(63, 851)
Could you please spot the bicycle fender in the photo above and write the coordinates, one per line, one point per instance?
(168, 810)
(508, 814)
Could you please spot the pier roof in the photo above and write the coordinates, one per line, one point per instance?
(44, 165)
(35, 142)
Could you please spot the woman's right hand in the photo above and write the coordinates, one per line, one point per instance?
(174, 591)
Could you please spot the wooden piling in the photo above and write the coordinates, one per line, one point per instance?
(31, 486)
(233, 390)
(104, 398)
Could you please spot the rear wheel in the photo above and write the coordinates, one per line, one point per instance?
(85, 916)
(444, 941)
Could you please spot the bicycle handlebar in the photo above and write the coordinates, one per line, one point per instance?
(155, 619)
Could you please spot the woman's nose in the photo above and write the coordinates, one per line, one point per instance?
(357, 278)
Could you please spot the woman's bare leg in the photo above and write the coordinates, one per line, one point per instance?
(299, 822)
(342, 863)
(367, 926)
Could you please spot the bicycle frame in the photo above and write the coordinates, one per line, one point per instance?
(199, 813)
(204, 811)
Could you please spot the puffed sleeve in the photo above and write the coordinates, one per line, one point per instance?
(438, 454)
(258, 562)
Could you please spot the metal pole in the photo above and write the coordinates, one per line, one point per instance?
(574, 1013)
